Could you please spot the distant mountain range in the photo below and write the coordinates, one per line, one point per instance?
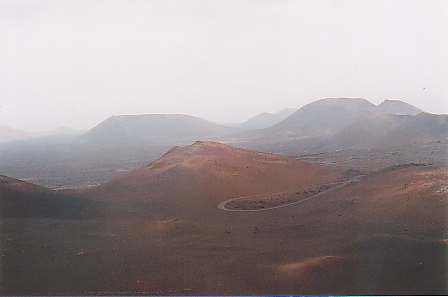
(9, 134)
(266, 119)
(342, 123)
(154, 129)
(122, 143)
(398, 107)
(387, 130)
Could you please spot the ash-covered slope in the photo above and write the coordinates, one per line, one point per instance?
(204, 173)
(22, 199)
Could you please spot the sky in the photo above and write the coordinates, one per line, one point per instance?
(75, 63)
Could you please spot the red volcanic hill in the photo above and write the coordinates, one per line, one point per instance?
(207, 172)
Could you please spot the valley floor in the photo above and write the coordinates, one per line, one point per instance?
(384, 235)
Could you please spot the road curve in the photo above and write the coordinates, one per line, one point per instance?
(222, 205)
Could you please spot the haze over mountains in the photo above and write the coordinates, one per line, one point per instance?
(8, 134)
(130, 203)
(335, 123)
(266, 119)
(122, 143)
(382, 131)
(398, 107)
(154, 129)
(225, 148)
(116, 145)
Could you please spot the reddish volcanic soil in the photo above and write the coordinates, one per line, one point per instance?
(197, 177)
(161, 233)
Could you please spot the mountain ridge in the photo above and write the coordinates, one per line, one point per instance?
(325, 125)
(266, 119)
(398, 107)
(154, 129)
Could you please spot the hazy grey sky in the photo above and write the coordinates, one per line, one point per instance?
(74, 63)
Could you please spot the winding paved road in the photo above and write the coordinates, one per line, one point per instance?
(222, 205)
